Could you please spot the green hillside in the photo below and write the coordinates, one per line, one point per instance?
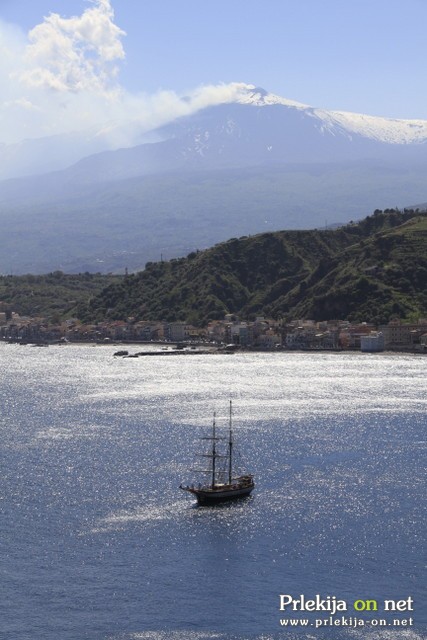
(375, 279)
(372, 270)
(54, 295)
(48, 224)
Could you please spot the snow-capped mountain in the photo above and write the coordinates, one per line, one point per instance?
(261, 130)
(388, 130)
(257, 127)
(257, 163)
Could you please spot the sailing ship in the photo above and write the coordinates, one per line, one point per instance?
(221, 486)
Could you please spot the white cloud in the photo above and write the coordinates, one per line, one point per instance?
(77, 53)
(62, 77)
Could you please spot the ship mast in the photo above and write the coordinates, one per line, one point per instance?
(213, 451)
(230, 448)
(213, 454)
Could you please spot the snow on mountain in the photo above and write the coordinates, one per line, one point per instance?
(261, 98)
(287, 120)
(389, 130)
(252, 163)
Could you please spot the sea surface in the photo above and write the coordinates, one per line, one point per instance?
(97, 542)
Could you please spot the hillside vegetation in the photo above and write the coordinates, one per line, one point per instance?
(373, 270)
(54, 295)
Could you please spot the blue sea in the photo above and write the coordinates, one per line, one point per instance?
(98, 542)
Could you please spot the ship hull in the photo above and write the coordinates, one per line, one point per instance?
(209, 496)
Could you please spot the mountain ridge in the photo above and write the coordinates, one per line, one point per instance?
(391, 130)
(36, 156)
(372, 270)
(226, 170)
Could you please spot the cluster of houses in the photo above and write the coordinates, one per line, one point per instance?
(261, 333)
(327, 335)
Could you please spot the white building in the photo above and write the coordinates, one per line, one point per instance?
(372, 342)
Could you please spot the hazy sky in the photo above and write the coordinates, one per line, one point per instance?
(108, 57)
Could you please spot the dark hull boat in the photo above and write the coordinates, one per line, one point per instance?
(222, 486)
(239, 488)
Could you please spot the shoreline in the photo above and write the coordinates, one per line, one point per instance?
(204, 349)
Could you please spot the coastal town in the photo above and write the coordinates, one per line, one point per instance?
(262, 333)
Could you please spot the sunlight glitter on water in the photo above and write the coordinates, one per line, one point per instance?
(93, 451)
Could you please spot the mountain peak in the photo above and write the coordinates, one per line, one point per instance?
(257, 96)
(381, 129)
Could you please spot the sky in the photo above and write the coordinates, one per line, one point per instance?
(67, 65)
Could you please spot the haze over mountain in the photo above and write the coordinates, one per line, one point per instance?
(277, 130)
(256, 163)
